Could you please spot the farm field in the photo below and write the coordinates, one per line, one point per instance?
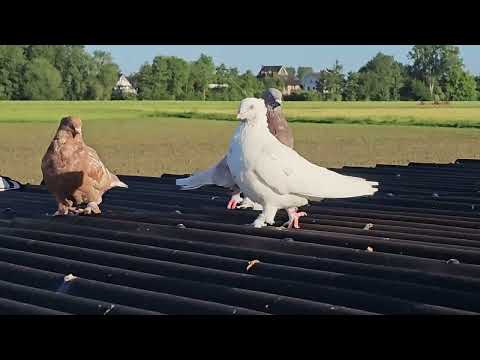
(458, 114)
(154, 137)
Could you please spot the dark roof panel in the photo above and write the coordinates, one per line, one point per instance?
(414, 247)
(275, 68)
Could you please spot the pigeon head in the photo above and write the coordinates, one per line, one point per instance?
(272, 97)
(72, 125)
(252, 110)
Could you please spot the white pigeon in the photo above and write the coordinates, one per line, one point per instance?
(219, 174)
(276, 176)
(8, 184)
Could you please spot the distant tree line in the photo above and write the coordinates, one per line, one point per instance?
(436, 73)
(172, 78)
(55, 72)
(69, 72)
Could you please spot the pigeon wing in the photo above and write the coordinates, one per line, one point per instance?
(96, 170)
(286, 172)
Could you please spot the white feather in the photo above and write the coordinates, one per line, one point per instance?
(218, 174)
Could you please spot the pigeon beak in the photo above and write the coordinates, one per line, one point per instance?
(239, 116)
(78, 131)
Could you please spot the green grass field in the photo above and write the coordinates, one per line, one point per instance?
(151, 138)
(458, 114)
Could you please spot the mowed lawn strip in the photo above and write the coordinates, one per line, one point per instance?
(454, 114)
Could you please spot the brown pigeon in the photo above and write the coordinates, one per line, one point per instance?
(278, 126)
(277, 123)
(73, 171)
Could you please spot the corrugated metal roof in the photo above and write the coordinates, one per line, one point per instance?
(412, 248)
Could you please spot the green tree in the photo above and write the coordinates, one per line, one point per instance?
(235, 90)
(159, 79)
(330, 83)
(415, 89)
(166, 78)
(108, 77)
(431, 62)
(103, 76)
(101, 58)
(352, 86)
(477, 81)
(12, 61)
(230, 78)
(202, 72)
(458, 85)
(95, 90)
(42, 81)
(275, 81)
(75, 65)
(302, 71)
(177, 77)
(144, 81)
(250, 84)
(381, 79)
(82, 75)
(47, 52)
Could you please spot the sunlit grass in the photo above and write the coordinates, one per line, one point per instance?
(458, 114)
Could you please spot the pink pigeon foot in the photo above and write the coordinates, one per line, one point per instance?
(232, 204)
(234, 201)
(293, 217)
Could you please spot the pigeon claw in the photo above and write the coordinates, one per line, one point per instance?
(244, 206)
(294, 218)
(247, 204)
(259, 224)
(62, 210)
(232, 204)
(235, 199)
(91, 208)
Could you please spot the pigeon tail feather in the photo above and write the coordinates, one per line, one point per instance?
(120, 184)
(218, 174)
(196, 180)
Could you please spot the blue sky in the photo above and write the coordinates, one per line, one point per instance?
(244, 57)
